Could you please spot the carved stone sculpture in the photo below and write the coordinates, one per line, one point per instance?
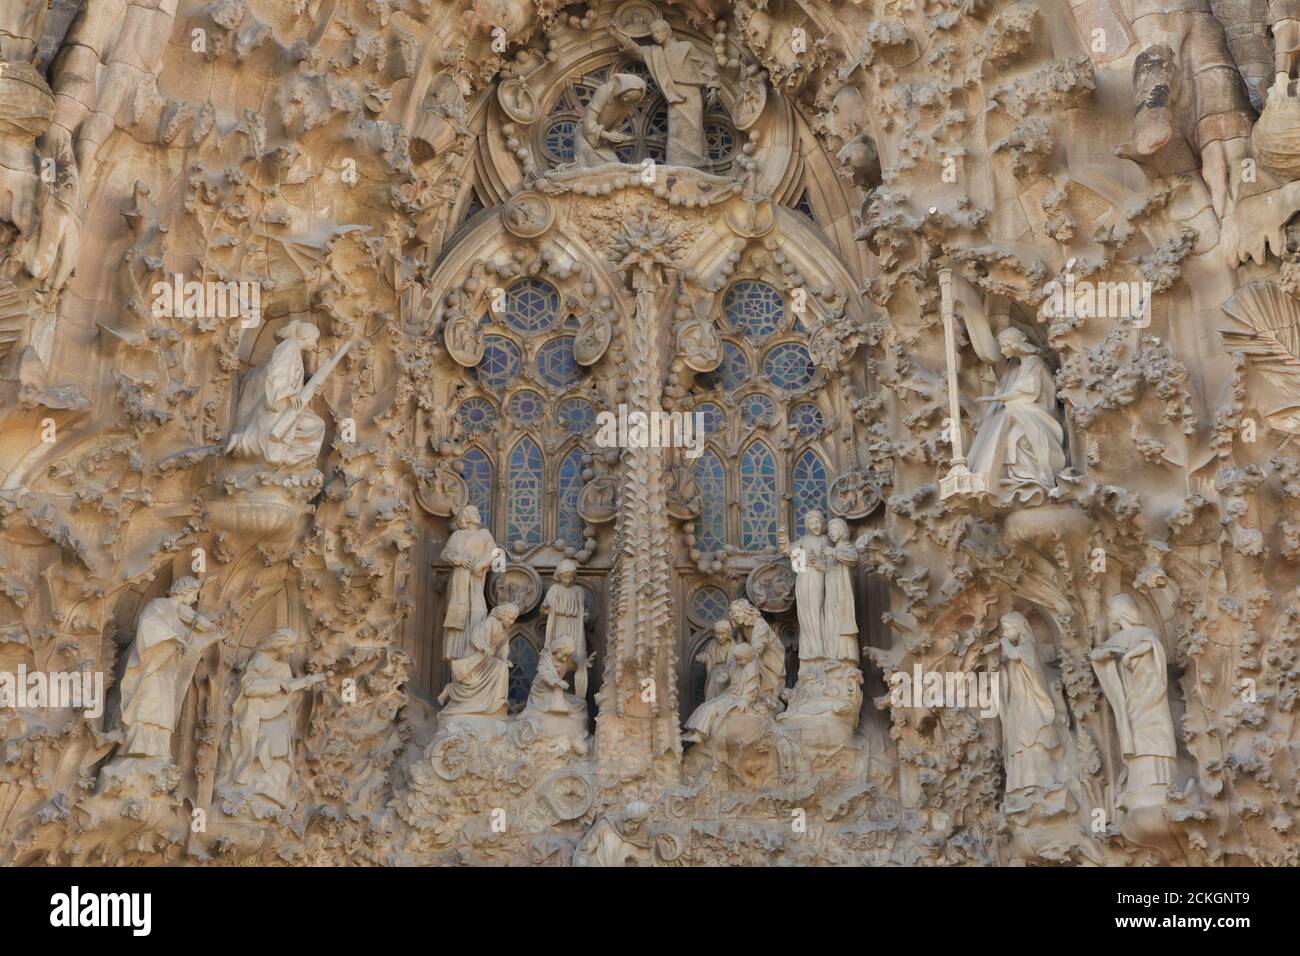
(480, 678)
(469, 551)
(1030, 739)
(261, 732)
(1018, 448)
(808, 558)
(617, 839)
(1130, 667)
(600, 131)
(683, 74)
(272, 423)
(159, 667)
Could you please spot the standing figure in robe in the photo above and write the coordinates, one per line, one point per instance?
(1130, 667)
(272, 391)
(1030, 739)
(1018, 448)
(767, 646)
(839, 617)
(716, 658)
(469, 551)
(566, 637)
(600, 133)
(808, 560)
(261, 738)
(162, 660)
(682, 73)
(480, 681)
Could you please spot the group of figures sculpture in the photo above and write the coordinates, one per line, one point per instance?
(652, 208)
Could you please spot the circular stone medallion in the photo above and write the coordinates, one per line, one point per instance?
(635, 17)
(527, 215)
(517, 101)
(598, 500)
(464, 341)
(518, 584)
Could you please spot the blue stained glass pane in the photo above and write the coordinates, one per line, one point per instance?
(559, 140)
(711, 419)
(526, 406)
(721, 141)
(754, 309)
(711, 482)
(757, 498)
(476, 415)
(732, 373)
(805, 207)
(532, 305)
(477, 472)
(639, 69)
(500, 362)
(807, 419)
(709, 604)
(756, 409)
(576, 416)
(524, 494)
(789, 367)
(568, 522)
(523, 668)
(809, 486)
(556, 364)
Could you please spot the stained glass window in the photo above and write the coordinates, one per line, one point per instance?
(576, 416)
(808, 483)
(709, 604)
(526, 406)
(756, 409)
(476, 415)
(807, 419)
(568, 523)
(732, 373)
(477, 472)
(556, 364)
(558, 141)
(500, 362)
(711, 482)
(757, 498)
(721, 139)
(711, 419)
(754, 309)
(524, 494)
(523, 668)
(789, 367)
(805, 207)
(532, 305)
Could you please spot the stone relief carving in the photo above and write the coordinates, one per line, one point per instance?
(449, 261)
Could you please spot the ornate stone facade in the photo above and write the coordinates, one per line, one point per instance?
(638, 433)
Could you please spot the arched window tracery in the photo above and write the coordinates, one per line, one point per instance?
(524, 494)
(758, 498)
(711, 482)
(809, 482)
(568, 484)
